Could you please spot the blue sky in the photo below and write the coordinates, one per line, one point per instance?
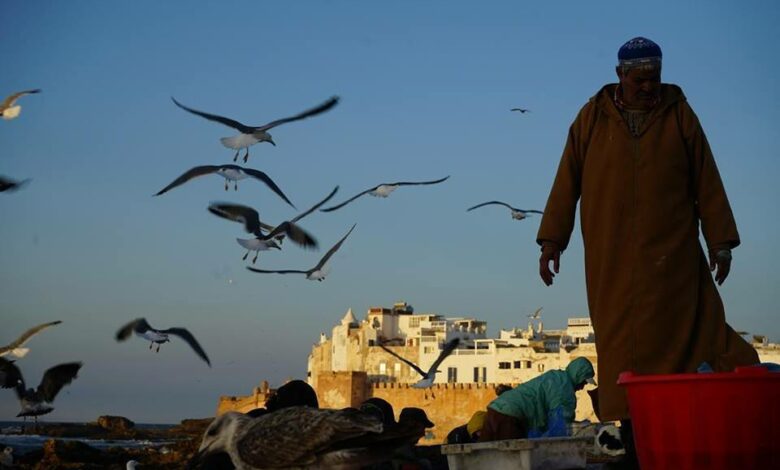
(426, 89)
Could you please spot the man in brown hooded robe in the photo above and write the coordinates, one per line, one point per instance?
(638, 161)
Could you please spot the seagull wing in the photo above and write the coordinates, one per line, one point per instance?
(57, 377)
(315, 207)
(11, 99)
(333, 250)
(446, 351)
(26, 335)
(7, 184)
(530, 211)
(257, 174)
(298, 235)
(311, 112)
(489, 203)
(220, 119)
(417, 183)
(522, 110)
(188, 175)
(407, 361)
(185, 334)
(138, 325)
(11, 377)
(238, 213)
(278, 271)
(339, 206)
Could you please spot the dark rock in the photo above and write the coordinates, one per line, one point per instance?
(115, 423)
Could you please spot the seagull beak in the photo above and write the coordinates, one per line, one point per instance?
(195, 461)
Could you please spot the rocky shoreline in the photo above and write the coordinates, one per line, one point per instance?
(64, 450)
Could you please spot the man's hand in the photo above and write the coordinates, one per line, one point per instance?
(549, 253)
(722, 260)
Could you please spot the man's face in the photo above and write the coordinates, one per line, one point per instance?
(641, 87)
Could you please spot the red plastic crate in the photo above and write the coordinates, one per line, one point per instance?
(706, 421)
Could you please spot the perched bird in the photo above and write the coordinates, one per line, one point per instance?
(9, 109)
(15, 347)
(7, 184)
(318, 272)
(36, 402)
(7, 457)
(430, 376)
(250, 135)
(295, 437)
(517, 214)
(522, 110)
(265, 243)
(232, 173)
(535, 315)
(141, 328)
(383, 190)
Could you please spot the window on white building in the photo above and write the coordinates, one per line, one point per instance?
(504, 365)
(518, 365)
(480, 374)
(427, 349)
(397, 369)
(382, 368)
(540, 367)
(452, 375)
(414, 322)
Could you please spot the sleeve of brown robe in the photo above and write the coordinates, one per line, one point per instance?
(717, 220)
(558, 219)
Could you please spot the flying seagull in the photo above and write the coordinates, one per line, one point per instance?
(430, 376)
(295, 437)
(317, 273)
(521, 110)
(141, 328)
(251, 220)
(265, 243)
(383, 190)
(232, 173)
(536, 314)
(9, 109)
(250, 135)
(36, 402)
(15, 347)
(7, 184)
(517, 214)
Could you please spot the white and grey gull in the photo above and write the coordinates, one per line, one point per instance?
(318, 272)
(517, 214)
(9, 109)
(37, 401)
(16, 349)
(429, 376)
(250, 135)
(232, 173)
(383, 190)
(141, 328)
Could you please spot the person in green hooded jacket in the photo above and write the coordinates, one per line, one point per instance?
(530, 405)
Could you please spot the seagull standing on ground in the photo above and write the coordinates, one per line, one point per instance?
(317, 273)
(15, 347)
(517, 214)
(7, 184)
(9, 109)
(383, 190)
(232, 173)
(430, 376)
(295, 437)
(141, 328)
(36, 402)
(250, 135)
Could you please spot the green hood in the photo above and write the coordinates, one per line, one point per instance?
(580, 370)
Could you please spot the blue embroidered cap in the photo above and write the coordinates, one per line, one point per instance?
(639, 52)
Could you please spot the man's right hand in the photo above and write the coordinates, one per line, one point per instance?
(549, 253)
